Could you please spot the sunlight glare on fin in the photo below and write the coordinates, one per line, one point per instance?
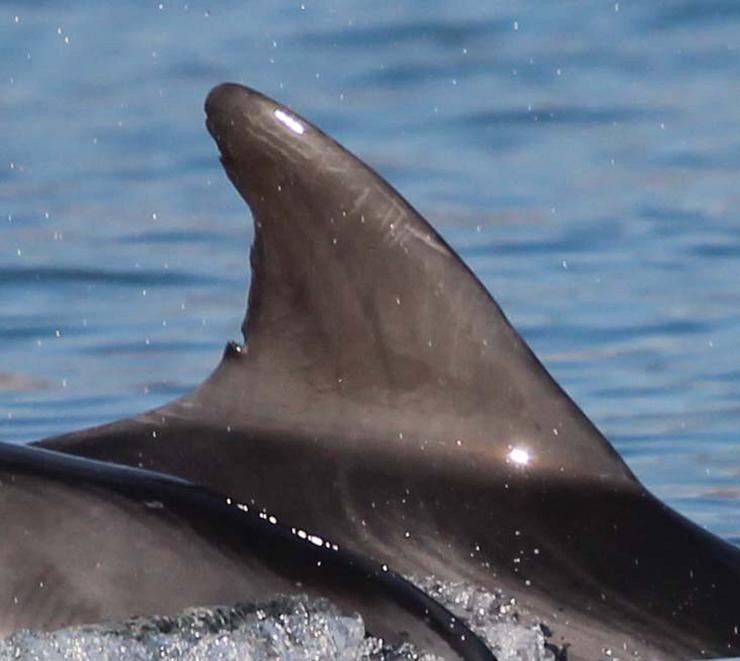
(288, 120)
(519, 456)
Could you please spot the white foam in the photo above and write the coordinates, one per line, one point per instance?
(289, 628)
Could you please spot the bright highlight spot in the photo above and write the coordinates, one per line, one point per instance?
(519, 456)
(291, 122)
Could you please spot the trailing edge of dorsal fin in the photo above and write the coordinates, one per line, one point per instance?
(357, 301)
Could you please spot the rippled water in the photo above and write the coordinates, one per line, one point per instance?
(584, 158)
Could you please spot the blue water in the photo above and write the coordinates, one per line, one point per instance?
(583, 157)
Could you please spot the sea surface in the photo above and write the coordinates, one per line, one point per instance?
(582, 157)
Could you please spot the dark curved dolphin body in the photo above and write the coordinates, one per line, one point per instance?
(383, 398)
(84, 541)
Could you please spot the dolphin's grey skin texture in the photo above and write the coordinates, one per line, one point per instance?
(383, 398)
(84, 541)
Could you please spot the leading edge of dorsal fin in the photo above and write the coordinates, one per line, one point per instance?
(357, 301)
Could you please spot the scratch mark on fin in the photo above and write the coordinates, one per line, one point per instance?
(424, 237)
(359, 201)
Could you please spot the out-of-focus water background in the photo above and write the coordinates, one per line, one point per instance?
(583, 158)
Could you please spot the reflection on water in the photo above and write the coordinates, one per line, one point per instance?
(582, 158)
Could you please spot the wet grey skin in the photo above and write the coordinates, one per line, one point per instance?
(85, 541)
(382, 398)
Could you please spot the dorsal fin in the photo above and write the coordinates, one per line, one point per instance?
(350, 285)
(356, 304)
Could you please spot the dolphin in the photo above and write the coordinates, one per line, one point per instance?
(382, 397)
(85, 540)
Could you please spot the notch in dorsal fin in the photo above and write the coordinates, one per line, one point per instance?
(356, 298)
